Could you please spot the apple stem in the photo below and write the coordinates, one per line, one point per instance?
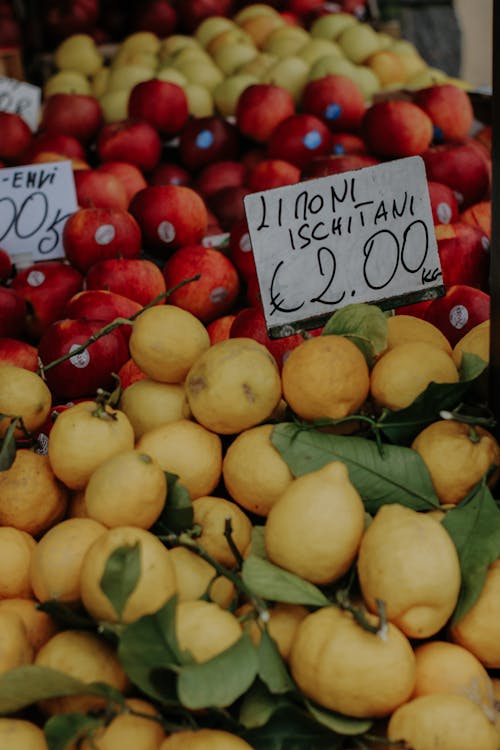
(116, 323)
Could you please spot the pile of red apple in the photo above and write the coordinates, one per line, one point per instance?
(161, 201)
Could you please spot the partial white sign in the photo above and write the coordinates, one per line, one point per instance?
(22, 99)
(360, 236)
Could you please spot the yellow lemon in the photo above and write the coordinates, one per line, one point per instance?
(16, 552)
(476, 341)
(15, 647)
(40, 626)
(23, 394)
(21, 734)
(149, 404)
(205, 629)
(212, 513)
(204, 739)
(196, 578)
(402, 329)
(127, 731)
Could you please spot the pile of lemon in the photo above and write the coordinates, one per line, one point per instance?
(206, 414)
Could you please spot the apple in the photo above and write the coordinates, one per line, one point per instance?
(463, 252)
(193, 12)
(205, 140)
(272, 173)
(138, 279)
(450, 110)
(219, 175)
(286, 40)
(298, 139)
(5, 265)
(228, 206)
(16, 137)
(169, 173)
(51, 156)
(67, 82)
(160, 103)
(12, 312)
(462, 168)
(479, 215)
(58, 143)
(99, 189)
(227, 93)
(214, 293)
(396, 128)
(128, 140)
(417, 309)
(290, 73)
(261, 107)
(100, 304)
(331, 25)
(316, 48)
(158, 16)
(358, 41)
(130, 373)
(77, 49)
(463, 307)
(335, 99)
(128, 174)
(85, 372)
(46, 287)
(94, 234)
(76, 115)
(347, 143)
(261, 26)
(443, 203)
(322, 166)
(388, 67)
(218, 329)
(19, 353)
(240, 249)
(169, 216)
(229, 58)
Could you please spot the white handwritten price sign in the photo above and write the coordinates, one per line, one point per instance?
(22, 99)
(360, 236)
(35, 202)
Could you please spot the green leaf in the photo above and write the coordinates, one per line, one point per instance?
(346, 725)
(292, 729)
(365, 325)
(121, 574)
(397, 476)
(276, 584)
(471, 366)
(272, 669)
(475, 530)
(221, 680)
(8, 445)
(67, 616)
(64, 729)
(258, 705)
(258, 546)
(22, 686)
(177, 514)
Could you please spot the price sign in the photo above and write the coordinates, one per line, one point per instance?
(22, 99)
(35, 202)
(360, 236)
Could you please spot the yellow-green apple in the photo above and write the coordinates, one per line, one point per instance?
(16, 137)
(214, 293)
(200, 100)
(78, 52)
(169, 173)
(66, 82)
(286, 41)
(209, 28)
(137, 142)
(171, 74)
(93, 234)
(83, 373)
(464, 257)
(317, 47)
(114, 105)
(272, 173)
(462, 168)
(229, 38)
(367, 81)
(5, 265)
(162, 104)
(46, 287)
(19, 353)
(228, 206)
(12, 312)
(299, 138)
(331, 65)
(141, 41)
(291, 73)
(218, 175)
(450, 110)
(128, 174)
(229, 58)
(204, 140)
(322, 166)
(139, 279)
(259, 27)
(358, 42)
(387, 66)
(101, 304)
(77, 115)
(335, 99)
(461, 308)
(99, 189)
(227, 93)
(261, 107)
(57, 143)
(218, 329)
(258, 65)
(254, 9)
(331, 25)
(444, 205)
(204, 73)
(124, 77)
(397, 129)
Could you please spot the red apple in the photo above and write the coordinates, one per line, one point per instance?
(161, 103)
(450, 110)
(322, 166)
(169, 174)
(78, 115)
(205, 140)
(130, 373)
(46, 287)
(157, 16)
(227, 205)
(335, 99)
(463, 252)
(128, 140)
(193, 12)
(129, 175)
(261, 107)
(99, 189)
(252, 291)
(169, 216)
(462, 308)
(19, 353)
(60, 21)
(478, 215)
(462, 168)
(272, 173)
(56, 143)
(94, 234)
(138, 279)
(12, 313)
(5, 265)
(219, 329)
(396, 128)
(219, 175)
(240, 249)
(50, 156)
(299, 138)
(16, 137)
(99, 304)
(417, 309)
(84, 373)
(347, 143)
(212, 295)
(443, 203)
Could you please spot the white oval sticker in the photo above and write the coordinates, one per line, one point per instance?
(245, 243)
(444, 213)
(166, 231)
(81, 359)
(459, 315)
(35, 278)
(105, 234)
(218, 294)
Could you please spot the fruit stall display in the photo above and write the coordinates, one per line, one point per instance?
(210, 537)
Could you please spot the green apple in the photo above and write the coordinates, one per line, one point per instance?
(227, 93)
(385, 40)
(255, 9)
(317, 47)
(232, 56)
(114, 105)
(173, 44)
(427, 77)
(367, 81)
(332, 25)
(143, 58)
(291, 73)
(211, 27)
(187, 55)
(99, 81)
(125, 77)
(331, 65)
(67, 82)
(229, 36)
(172, 75)
(286, 41)
(259, 65)
(141, 41)
(261, 26)
(78, 52)
(201, 72)
(358, 42)
(200, 100)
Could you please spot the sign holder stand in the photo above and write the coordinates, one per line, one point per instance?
(494, 366)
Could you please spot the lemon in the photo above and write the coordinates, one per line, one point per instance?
(149, 404)
(22, 394)
(211, 514)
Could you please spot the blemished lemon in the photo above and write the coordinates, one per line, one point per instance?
(57, 560)
(84, 436)
(402, 329)
(16, 552)
(40, 626)
(155, 585)
(32, 499)
(477, 631)
(85, 656)
(196, 578)
(404, 372)
(409, 561)
(189, 450)
(166, 340)
(457, 456)
(345, 668)
(476, 341)
(128, 489)
(212, 513)
(24, 394)
(149, 404)
(315, 528)
(15, 647)
(204, 739)
(325, 376)
(442, 721)
(234, 385)
(127, 731)
(254, 473)
(205, 629)
(21, 734)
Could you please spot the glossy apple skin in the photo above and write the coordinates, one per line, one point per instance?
(444, 204)
(98, 189)
(16, 137)
(462, 308)
(12, 313)
(58, 143)
(261, 107)
(102, 305)
(129, 175)
(77, 115)
(83, 374)
(205, 140)
(298, 139)
(138, 279)
(335, 99)
(135, 141)
(462, 167)
(220, 174)
(5, 265)
(463, 253)
(161, 103)
(19, 353)
(396, 129)
(272, 173)
(450, 110)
